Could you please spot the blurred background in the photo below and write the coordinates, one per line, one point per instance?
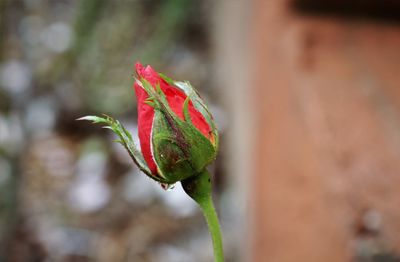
(67, 192)
(306, 96)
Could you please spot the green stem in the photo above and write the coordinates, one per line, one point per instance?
(213, 225)
(199, 189)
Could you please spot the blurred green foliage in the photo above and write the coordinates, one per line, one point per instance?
(108, 38)
(63, 60)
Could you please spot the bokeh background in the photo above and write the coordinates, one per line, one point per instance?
(67, 192)
(306, 96)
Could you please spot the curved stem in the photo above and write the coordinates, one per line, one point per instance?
(213, 226)
(199, 189)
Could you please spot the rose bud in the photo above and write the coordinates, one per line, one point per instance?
(177, 134)
(178, 139)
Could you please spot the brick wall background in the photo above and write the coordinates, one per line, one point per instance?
(325, 96)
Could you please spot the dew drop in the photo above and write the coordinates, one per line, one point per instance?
(167, 186)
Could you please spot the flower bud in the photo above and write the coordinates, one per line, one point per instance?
(177, 134)
(178, 139)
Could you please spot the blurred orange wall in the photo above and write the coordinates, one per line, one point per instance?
(325, 96)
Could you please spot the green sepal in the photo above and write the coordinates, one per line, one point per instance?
(197, 101)
(125, 139)
(186, 113)
(170, 156)
(166, 79)
(202, 152)
(200, 106)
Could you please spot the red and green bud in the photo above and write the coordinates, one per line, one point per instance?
(178, 139)
(176, 131)
(177, 134)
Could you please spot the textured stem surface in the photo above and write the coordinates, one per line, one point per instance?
(213, 225)
(199, 189)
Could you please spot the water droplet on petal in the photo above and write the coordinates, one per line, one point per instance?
(167, 186)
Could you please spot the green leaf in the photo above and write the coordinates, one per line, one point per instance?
(94, 119)
(125, 138)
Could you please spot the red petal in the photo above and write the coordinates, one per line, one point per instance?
(145, 122)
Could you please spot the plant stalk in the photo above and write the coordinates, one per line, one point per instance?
(199, 189)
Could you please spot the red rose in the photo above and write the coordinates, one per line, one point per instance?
(178, 140)
(177, 134)
(175, 98)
